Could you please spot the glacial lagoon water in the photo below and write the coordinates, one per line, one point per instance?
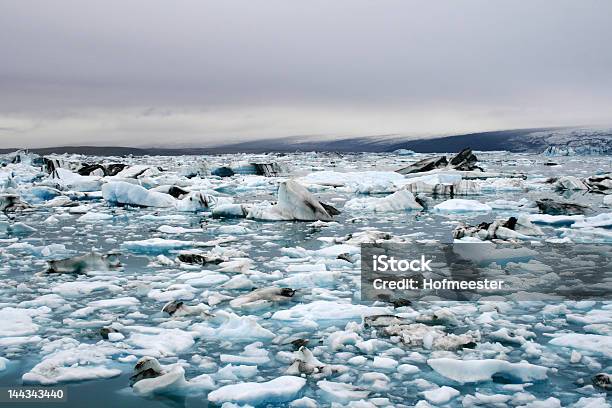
(51, 334)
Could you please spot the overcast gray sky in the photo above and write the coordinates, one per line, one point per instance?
(159, 72)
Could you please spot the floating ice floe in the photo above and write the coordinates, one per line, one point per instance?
(152, 380)
(523, 205)
(199, 257)
(253, 353)
(199, 201)
(472, 371)
(513, 228)
(67, 180)
(338, 392)
(169, 229)
(178, 308)
(123, 193)
(17, 228)
(157, 342)
(43, 193)
(261, 298)
(231, 211)
(323, 310)
(84, 263)
(125, 301)
(294, 203)
(138, 171)
(464, 160)
(597, 183)
(555, 219)
(570, 183)
(602, 221)
(601, 182)
(587, 234)
(78, 362)
(279, 390)
(461, 187)
(310, 279)
(83, 288)
(552, 207)
(155, 245)
(441, 395)
(95, 217)
(460, 205)
(452, 183)
(402, 200)
(233, 328)
(18, 322)
(431, 337)
(12, 203)
(366, 182)
(590, 342)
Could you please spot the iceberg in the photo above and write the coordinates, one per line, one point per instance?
(67, 180)
(402, 200)
(279, 390)
(363, 182)
(590, 342)
(123, 193)
(166, 383)
(457, 205)
(570, 183)
(472, 371)
(294, 203)
(80, 362)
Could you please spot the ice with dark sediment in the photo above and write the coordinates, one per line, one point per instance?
(295, 202)
(241, 287)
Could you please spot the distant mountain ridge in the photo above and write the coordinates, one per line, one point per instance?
(535, 140)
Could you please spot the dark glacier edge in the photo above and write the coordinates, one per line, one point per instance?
(576, 140)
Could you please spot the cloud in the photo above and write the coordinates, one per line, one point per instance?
(109, 72)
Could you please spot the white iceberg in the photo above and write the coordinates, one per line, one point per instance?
(591, 342)
(138, 170)
(456, 205)
(170, 381)
(329, 310)
(279, 390)
(471, 371)
(231, 210)
(160, 342)
(294, 203)
(155, 245)
(80, 363)
(555, 219)
(341, 392)
(570, 183)
(95, 217)
(17, 322)
(402, 200)
(123, 193)
(441, 395)
(67, 180)
(234, 328)
(363, 182)
(602, 221)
